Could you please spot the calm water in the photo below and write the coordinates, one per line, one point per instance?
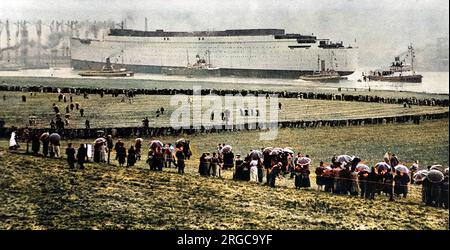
(433, 82)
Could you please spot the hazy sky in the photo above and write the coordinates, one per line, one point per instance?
(379, 26)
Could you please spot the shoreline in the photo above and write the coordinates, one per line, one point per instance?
(91, 82)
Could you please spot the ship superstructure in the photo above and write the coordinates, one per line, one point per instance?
(243, 52)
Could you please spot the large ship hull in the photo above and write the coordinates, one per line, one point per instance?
(242, 53)
(153, 69)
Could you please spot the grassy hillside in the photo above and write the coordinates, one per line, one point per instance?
(40, 193)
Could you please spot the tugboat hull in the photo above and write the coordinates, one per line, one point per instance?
(191, 72)
(107, 74)
(412, 78)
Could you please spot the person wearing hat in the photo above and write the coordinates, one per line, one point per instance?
(254, 170)
(413, 169)
(70, 152)
(388, 180)
(239, 164)
(202, 165)
(180, 159)
(274, 172)
(208, 163)
(215, 165)
(444, 192)
(302, 176)
(401, 181)
(319, 179)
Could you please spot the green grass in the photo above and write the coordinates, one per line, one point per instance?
(42, 193)
(111, 112)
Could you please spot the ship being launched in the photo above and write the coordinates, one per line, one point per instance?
(246, 52)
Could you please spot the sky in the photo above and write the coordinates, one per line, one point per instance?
(380, 27)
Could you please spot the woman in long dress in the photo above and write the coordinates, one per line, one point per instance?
(254, 170)
(103, 152)
(13, 142)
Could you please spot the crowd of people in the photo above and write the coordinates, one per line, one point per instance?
(345, 175)
(222, 92)
(146, 130)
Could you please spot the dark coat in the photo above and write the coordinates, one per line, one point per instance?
(70, 152)
(302, 178)
(388, 180)
(319, 178)
(81, 155)
(401, 184)
(131, 159)
(238, 175)
(202, 170)
(121, 154)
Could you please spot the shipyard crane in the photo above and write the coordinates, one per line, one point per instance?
(8, 39)
(38, 26)
(1, 31)
(17, 40)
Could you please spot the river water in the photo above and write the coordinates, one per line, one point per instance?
(433, 82)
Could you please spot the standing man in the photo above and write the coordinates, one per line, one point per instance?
(81, 156)
(110, 144)
(70, 152)
(180, 160)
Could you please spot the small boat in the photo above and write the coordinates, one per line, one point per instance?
(323, 75)
(398, 71)
(198, 69)
(108, 71)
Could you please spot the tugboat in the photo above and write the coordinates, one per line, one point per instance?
(198, 69)
(108, 71)
(322, 75)
(398, 71)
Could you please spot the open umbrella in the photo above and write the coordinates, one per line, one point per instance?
(344, 158)
(288, 150)
(356, 160)
(155, 144)
(402, 168)
(276, 151)
(44, 136)
(100, 140)
(267, 150)
(54, 138)
(256, 153)
(420, 175)
(226, 149)
(363, 168)
(303, 161)
(181, 140)
(437, 167)
(383, 166)
(435, 176)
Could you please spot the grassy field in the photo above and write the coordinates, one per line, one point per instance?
(42, 193)
(111, 112)
(212, 83)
